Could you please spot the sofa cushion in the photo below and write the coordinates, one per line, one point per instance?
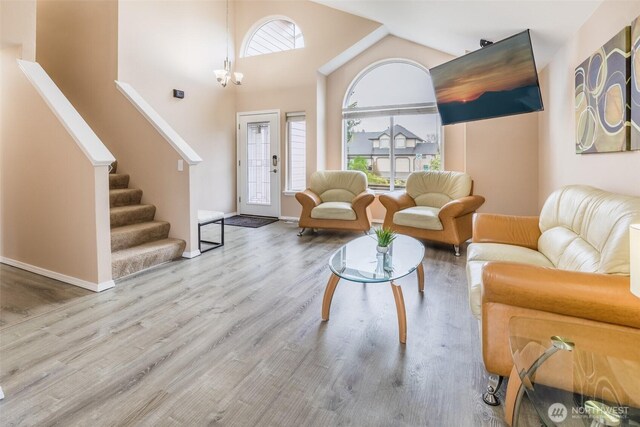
(438, 188)
(509, 253)
(338, 186)
(478, 254)
(207, 216)
(334, 210)
(474, 281)
(424, 217)
(586, 229)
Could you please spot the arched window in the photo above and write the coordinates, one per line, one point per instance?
(275, 35)
(391, 100)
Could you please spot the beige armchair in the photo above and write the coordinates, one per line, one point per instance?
(436, 206)
(336, 200)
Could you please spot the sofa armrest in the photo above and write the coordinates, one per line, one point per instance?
(361, 201)
(396, 201)
(461, 207)
(599, 297)
(508, 229)
(393, 202)
(308, 199)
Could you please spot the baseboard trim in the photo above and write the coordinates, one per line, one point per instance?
(95, 287)
(191, 254)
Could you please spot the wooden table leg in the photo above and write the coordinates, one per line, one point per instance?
(420, 277)
(402, 315)
(328, 295)
(513, 398)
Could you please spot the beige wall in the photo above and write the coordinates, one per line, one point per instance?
(18, 26)
(502, 158)
(49, 189)
(499, 154)
(289, 81)
(83, 61)
(166, 45)
(454, 148)
(558, 163)
(339, 81)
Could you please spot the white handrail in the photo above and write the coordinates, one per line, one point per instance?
(79, 130)
(160, 124)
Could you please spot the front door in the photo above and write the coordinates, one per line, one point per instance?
(259, 164)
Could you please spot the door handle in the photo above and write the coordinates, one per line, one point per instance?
(275, 171)
(274, 160)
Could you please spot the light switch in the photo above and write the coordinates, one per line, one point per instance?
(180, 165)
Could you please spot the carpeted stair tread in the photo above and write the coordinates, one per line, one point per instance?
(131, 260)
(137, 241)
(137, 234)
(125, 215)
(114, 167)
(118, 180)
(124, 197)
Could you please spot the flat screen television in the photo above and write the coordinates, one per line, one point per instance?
(497, 80)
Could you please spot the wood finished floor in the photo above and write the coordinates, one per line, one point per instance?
(234, 337)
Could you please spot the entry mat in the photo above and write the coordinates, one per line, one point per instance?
(249, 221)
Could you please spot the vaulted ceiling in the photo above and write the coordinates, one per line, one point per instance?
(456, 26)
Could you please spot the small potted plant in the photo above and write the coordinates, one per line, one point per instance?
(385, 237)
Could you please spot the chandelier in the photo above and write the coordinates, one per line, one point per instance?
(224, 76)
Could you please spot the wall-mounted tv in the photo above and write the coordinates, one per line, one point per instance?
(497, 80)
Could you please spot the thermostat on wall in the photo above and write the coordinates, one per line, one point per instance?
(177, 93)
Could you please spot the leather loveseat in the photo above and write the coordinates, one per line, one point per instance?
(570, 264)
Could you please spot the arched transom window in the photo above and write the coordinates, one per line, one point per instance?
(276, 35)
(391, 123)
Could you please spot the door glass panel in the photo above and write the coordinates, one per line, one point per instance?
(258, 164)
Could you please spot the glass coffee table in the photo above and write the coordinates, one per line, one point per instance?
(575, 374)
(359, 261)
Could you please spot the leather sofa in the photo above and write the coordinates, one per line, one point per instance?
(570, 264)
(436, 206)
(336, 200)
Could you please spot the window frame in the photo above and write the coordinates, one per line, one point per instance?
(298, 116)
(391, 112)
(261, 23)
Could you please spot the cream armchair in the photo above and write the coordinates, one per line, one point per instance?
(436, 206)
(336, 200)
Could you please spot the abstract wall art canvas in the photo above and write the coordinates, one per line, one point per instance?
(635, 85)
(602, 98)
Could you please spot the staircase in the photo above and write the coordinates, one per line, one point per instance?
(138, 241)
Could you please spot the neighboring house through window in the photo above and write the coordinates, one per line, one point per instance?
(391, 100)
(296, 151)
(274, 35)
